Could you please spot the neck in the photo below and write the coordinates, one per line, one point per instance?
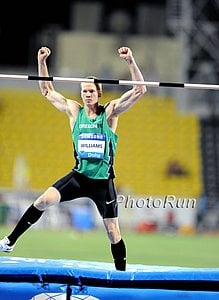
(91, 110)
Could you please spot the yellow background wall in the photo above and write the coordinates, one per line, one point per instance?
(151, 134)
(30, 126)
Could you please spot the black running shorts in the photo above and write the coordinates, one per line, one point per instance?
(101, 191)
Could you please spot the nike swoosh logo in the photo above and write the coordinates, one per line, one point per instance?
(108, 202)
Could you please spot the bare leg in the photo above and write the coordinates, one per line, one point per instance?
(118, 248)
(33, 213)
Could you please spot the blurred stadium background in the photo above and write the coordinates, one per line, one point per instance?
(168, 142)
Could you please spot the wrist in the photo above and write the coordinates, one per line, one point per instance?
(130, 60)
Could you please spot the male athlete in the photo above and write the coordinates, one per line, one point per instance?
(93, 128)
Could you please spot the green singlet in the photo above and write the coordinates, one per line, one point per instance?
(94, 145)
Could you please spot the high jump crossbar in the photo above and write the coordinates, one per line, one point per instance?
(155, 84)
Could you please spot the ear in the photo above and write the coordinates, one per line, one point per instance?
(99, 94)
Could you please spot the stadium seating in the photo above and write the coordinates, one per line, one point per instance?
(151, 134)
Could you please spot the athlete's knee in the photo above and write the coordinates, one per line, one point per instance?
(114, 236)
(113, 232)
(48, 198)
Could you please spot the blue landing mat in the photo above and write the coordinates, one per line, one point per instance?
(42, 279)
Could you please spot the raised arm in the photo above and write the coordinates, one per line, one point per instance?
(58, 100)
(126, 101)
(126, 54)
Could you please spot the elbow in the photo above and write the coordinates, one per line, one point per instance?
(140, 90)
(44, 91)
(143, 89)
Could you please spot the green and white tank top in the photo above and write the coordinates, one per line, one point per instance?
(94, 145)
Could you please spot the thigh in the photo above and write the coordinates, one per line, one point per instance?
(69, 187)
(105, 198)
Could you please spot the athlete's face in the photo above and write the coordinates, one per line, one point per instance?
(89, 93)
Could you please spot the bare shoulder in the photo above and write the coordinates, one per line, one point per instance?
(113, 122)
(72, 111)
(73, 104)
(110, 109)
(73, 107)
(111, 117)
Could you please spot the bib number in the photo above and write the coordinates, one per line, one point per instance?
(91, 145)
